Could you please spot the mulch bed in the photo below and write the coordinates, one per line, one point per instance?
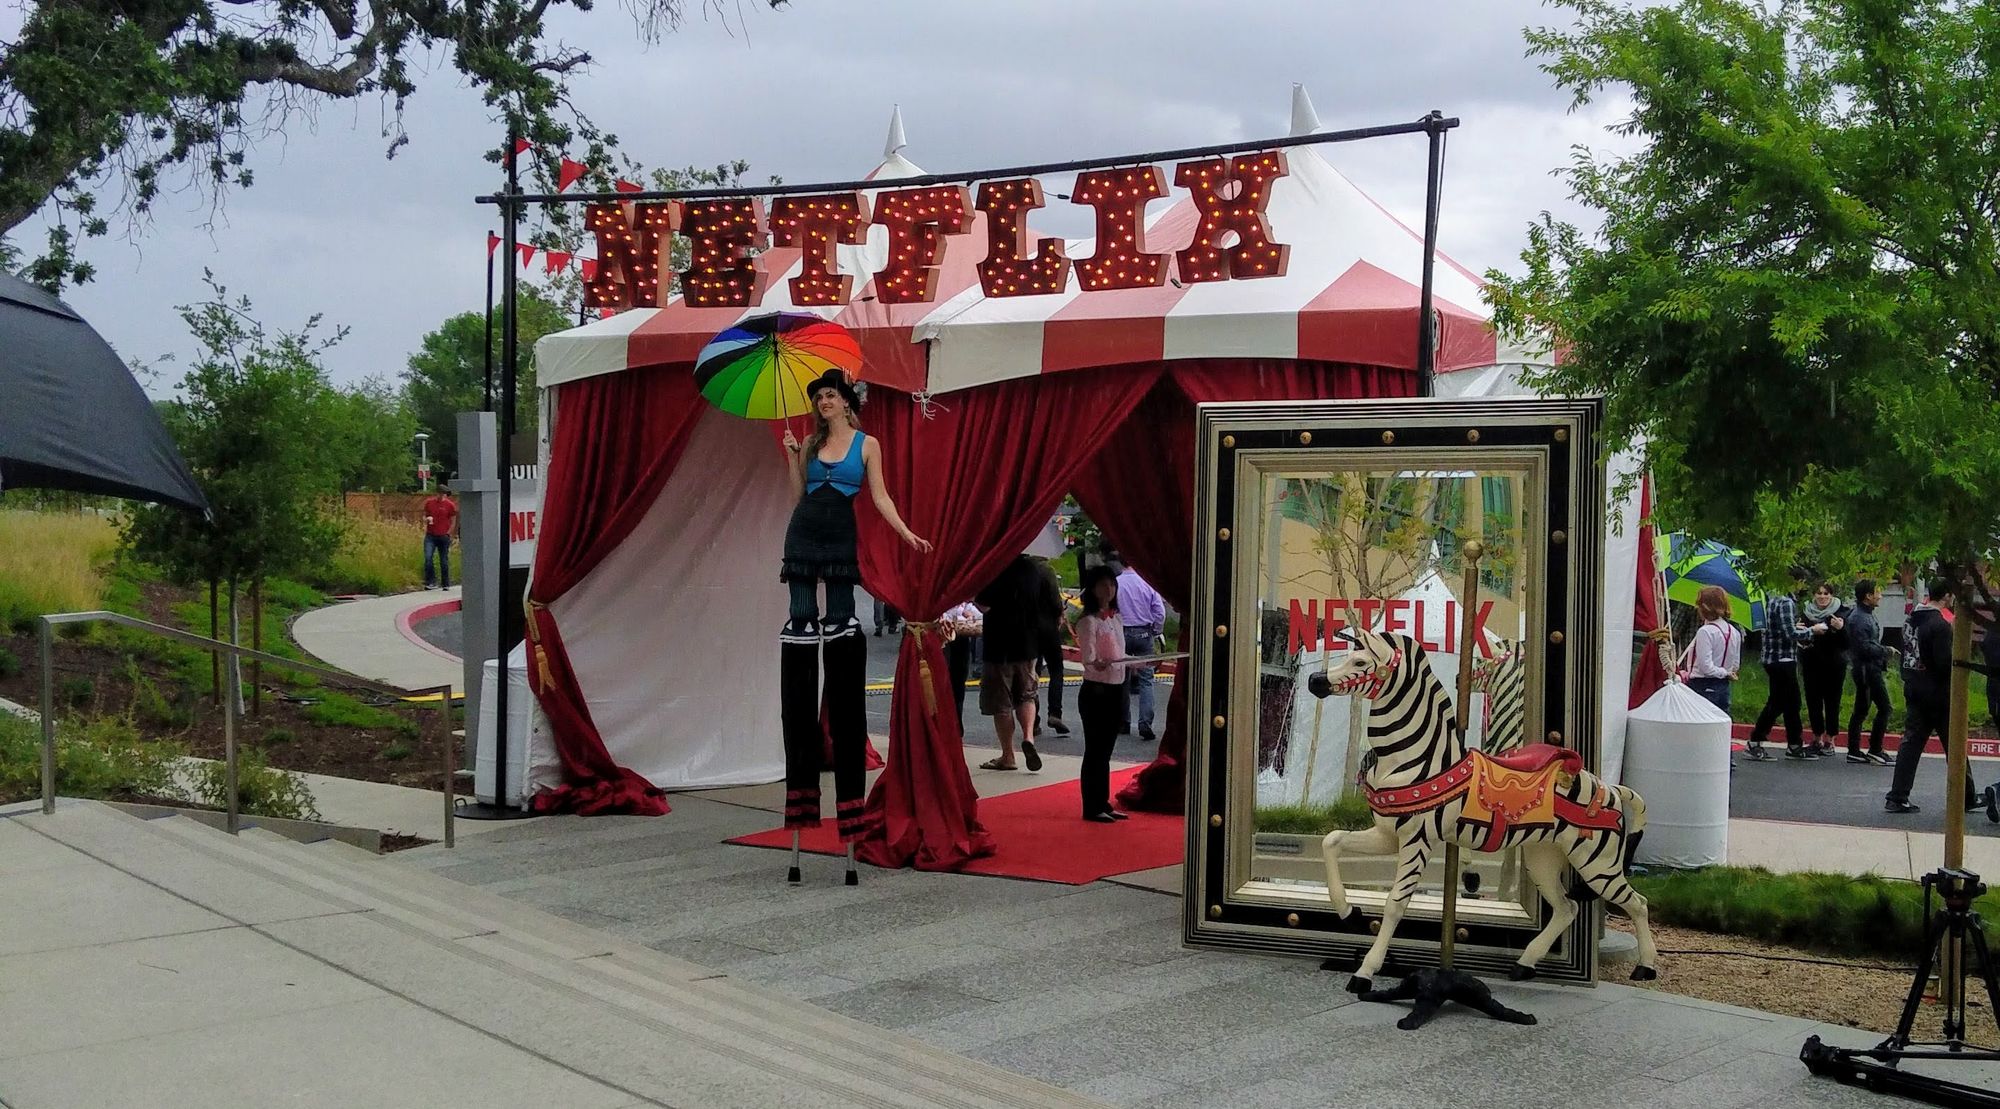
(342, 751)
(1857, 993)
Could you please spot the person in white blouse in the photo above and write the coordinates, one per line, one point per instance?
(1100, 699)
(1717, 651)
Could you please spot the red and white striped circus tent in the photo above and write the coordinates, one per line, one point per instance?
(654, 599)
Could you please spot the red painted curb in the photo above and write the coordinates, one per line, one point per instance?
(407, 620)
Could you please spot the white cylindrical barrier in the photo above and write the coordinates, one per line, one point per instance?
(1677, 757)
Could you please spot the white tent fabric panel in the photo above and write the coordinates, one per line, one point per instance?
(1621, 553)
(674, 635)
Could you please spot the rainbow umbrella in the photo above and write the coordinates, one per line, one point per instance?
(760, 368)
(1691, 563)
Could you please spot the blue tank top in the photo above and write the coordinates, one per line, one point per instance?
(844, 475)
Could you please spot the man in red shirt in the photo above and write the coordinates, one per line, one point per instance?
(440, 517)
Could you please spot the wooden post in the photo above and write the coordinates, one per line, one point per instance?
(1957, 763)
(1468, 606)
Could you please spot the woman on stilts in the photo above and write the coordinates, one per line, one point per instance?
(828, 470)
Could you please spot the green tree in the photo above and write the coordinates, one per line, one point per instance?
(370, 436)
(1794, 302)
(129, 99)
(447, 374)
(253, 421)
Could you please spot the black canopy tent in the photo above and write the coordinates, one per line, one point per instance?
(71, 414)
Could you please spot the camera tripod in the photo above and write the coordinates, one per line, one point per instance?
(1956, 931)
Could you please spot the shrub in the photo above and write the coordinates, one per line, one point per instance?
(98, 757)
(76, 692)
(10, 663)
(398, 751)
(153, 709)
(261, 790)
(278, 736)
(1830, 912)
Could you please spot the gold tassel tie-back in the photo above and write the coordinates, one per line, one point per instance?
(917, 629)
(545, 679)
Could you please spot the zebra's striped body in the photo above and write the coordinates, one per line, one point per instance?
(1413, 737)
(1503, 678)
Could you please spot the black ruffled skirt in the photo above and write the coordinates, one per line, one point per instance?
(820, 542)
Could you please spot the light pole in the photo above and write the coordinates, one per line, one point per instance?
(424, 461)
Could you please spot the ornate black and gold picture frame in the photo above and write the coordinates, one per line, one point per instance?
(1316, 517)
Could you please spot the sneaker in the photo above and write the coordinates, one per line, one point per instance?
(1146, 734)
(1757, 753)
(1880, 759)
(1992, 796)
(1057, 726)
(1900, 807)
(1797, 753)
(1859, 758)
(1813, 753)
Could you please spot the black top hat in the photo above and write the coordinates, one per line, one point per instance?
(834, 379)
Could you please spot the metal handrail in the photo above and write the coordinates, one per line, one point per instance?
(232, 695)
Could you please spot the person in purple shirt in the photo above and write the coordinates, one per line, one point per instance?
(1145, 617)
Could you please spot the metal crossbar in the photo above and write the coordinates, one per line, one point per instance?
(232, 694)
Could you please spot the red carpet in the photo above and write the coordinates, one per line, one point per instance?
(1042, 836)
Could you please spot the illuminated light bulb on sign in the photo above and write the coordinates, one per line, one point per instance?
(918, 220)
(1120, 197)
(632, 244)
(814, 224)
(1231, 196)
(1005, 272)
(722, 272)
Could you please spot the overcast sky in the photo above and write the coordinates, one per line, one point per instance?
(390, 248)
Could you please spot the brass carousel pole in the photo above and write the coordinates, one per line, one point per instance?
(1468, 605)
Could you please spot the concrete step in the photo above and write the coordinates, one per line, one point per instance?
(636, 1018)
(647, 979)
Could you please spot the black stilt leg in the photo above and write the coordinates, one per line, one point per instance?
(798, 691)
(847, 722)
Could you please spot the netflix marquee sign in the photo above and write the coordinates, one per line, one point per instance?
(1232, 241)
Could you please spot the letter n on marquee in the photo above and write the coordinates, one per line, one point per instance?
(1234, 237)
(814, 224)
(1005, 273)
(918, 220)
(632, 242)
(1120, 197)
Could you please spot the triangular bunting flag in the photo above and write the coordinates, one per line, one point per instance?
(625, 186)
(527, 252)
(553, 260)
(492, 243)
(570, 173)
(520, 145)
(589, 268)
(606, 313)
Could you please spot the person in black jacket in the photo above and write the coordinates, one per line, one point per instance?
(1926, 693)
(1871, 663)
(1823, 663)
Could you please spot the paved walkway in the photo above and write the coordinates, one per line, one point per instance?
(362, 638)
(1089, 987)
(163, 964)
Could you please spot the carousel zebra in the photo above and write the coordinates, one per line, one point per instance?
(1427, 790)
(1503, 678)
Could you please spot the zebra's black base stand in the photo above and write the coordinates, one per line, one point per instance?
(1430, 988)
(1955, 929)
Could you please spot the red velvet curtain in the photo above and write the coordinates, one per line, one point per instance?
(977, 474)
(618, 438)
(1139, 489)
